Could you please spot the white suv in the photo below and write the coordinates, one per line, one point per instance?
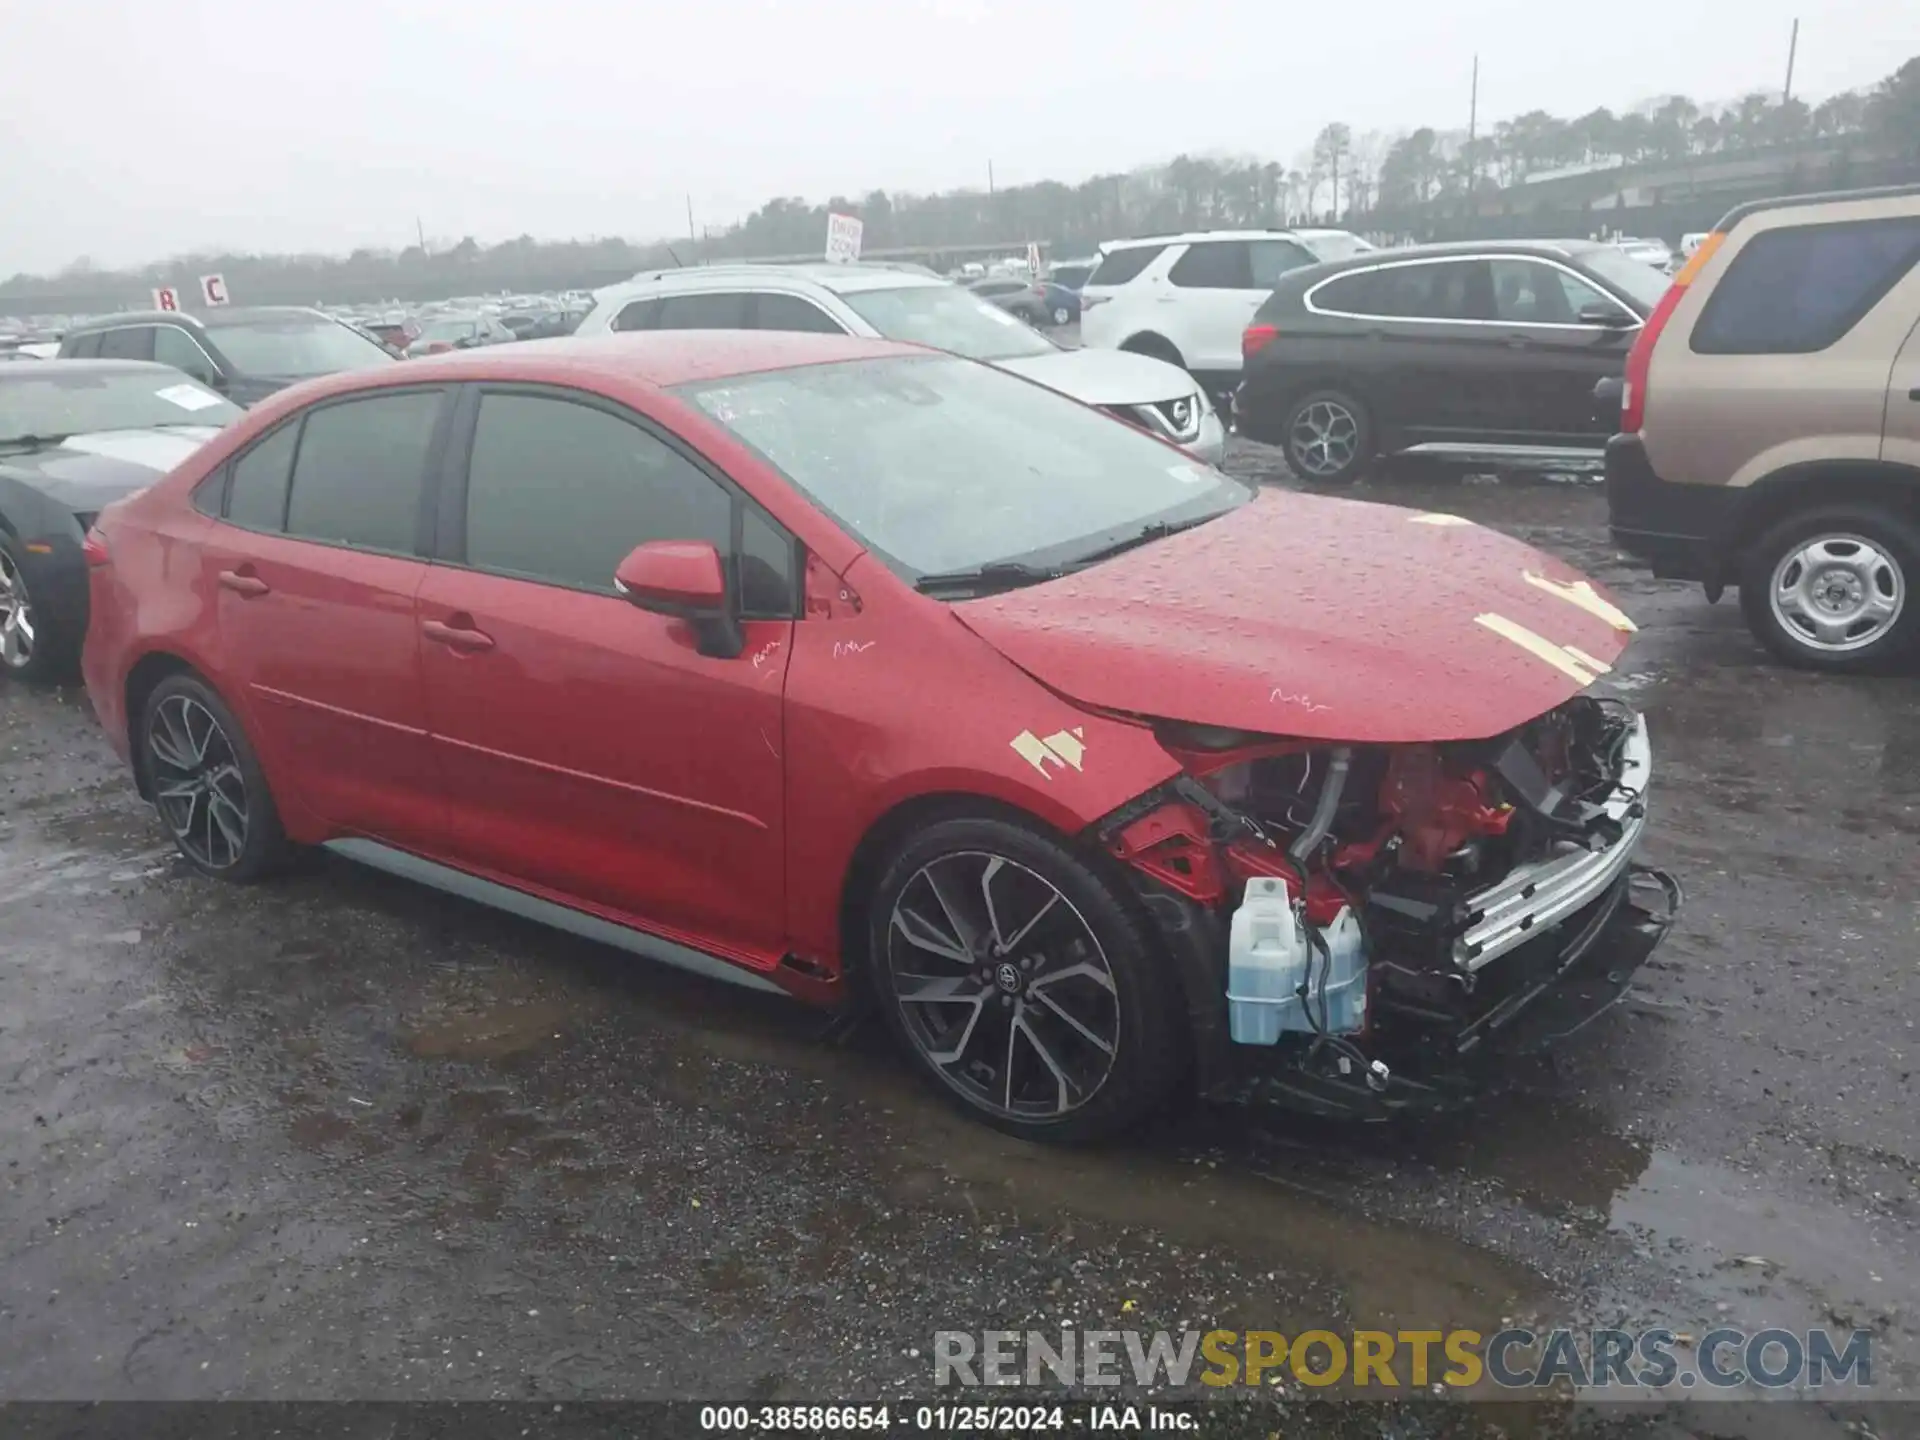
(906, 302)
(1187, 298)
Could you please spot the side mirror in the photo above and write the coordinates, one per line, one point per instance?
(684, 579)
(1610, 316)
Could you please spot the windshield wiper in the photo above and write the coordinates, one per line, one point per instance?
(1145, 535)
(32, 442)
(995, 575)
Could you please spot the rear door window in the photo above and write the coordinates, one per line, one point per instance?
(87, 347)
(1214, 265)
(712, 310)
(360, 471)
(129, 342)
(1448, 290)
(1798, 289)
(1117, 267)
(790, 312)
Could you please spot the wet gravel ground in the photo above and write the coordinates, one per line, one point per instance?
(341, 1137)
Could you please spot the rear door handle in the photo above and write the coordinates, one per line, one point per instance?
(1519, 342)
(1914, 394)
(457, 636)
(243, 582)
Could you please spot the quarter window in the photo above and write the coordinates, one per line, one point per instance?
(257, 493)
(1798, 289)
(560, 492)
(87, 347)
(1350, 294)
(790, 312)
(129, 342)
(361, 466)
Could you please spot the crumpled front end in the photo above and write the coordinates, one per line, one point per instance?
(1363, 929)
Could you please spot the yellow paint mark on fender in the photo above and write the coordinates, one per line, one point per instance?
(1582, 593)
(1555, 655)
(1439, 518)
(1062, 748)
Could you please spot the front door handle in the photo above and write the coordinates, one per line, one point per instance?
(244, 583)
(457, 636)
(1519, 342)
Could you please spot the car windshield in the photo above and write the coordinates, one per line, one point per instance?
(457, 328)
(1637, 280)
(296, 345)
(1335, 244)
(947, 318)
(937, 464)
(51, 402)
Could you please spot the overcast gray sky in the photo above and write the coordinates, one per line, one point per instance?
(132, 130)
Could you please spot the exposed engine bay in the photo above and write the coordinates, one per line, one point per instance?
(1381, 917)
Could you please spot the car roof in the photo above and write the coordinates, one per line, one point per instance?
(1824, 197)
(1366, 259)
(659, 358)
(841, 279)
(1189, 236)
(206, 319)
(94, 367)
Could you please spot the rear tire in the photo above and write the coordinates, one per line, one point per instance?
(1061, 315)
(1832, 588)
(207, 783)
(1328, 437)
(1047, 1008)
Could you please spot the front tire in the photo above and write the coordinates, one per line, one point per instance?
(32, 647)
(1026, 986)
(207, 783)
(1831, 589)
(1328, 437)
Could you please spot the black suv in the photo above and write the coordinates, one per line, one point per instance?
(246, 353)
(1480, 353)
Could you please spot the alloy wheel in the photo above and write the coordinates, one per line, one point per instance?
(16, 616)
(1324, 438)
(1003, 986)
(1838, 593)
(197, 782)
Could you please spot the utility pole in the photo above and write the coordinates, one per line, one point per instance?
(1793, 49)
(421, 230)
(1473, 129)
(989, 177)
(692, 234)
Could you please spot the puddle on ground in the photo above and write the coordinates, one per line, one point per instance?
(496, 1034)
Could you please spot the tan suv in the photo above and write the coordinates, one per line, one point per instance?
(1770, 426)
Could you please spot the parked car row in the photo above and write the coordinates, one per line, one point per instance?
(907, 302)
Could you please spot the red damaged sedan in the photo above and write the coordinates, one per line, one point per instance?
(886, 679)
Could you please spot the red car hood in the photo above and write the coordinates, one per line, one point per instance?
(1325, 619)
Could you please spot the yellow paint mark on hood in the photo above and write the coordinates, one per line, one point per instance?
(1439, 518)
(1599, 667)
(1555, 655)
(1582, 593)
